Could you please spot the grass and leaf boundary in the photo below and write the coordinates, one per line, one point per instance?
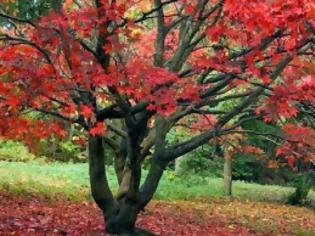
(71, 181)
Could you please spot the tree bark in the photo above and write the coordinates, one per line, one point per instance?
(123, 222)
(98, 181)
(228, 176)
(119, 164)
(152, 180)
(120, 216)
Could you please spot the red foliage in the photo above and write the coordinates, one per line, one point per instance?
(39, 217)
(98, 129)
(55, 66)
(35, 216)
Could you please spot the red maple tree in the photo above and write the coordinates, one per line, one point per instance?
(151, 64)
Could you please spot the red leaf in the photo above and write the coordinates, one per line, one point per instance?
(13, 101)
(98, 130)
(86, 111)
(189, 9)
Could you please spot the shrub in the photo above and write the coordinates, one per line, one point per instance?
(304, 183)
(64, 151)
(202, 162)
(14, 151)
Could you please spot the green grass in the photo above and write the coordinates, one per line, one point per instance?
(72, 181)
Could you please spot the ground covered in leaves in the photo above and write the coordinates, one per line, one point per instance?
(35, 216)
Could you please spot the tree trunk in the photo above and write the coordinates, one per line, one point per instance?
(98, 181)
(151, 182)
(123, 222)
(228, 176)
(119, 215)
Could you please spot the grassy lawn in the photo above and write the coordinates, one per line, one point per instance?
(71, 181)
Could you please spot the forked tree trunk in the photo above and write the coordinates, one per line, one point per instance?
(120, 215)
(228, 176)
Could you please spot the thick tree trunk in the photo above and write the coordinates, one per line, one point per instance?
(123, 223)
(120, 215)
(228, 176)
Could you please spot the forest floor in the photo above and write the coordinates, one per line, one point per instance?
(30, 215)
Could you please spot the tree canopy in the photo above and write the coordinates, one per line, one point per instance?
(209, 65)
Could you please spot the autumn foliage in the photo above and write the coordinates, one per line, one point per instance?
(153, 65)
(220, 218)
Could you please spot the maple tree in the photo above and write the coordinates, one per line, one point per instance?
(151, 65)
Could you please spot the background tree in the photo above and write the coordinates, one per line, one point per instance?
(152, 66)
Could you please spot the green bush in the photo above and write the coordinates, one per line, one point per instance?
(14, 151)
(303, 183)
(68, 151)
(202, 162)
(245, 167)
(63, 151)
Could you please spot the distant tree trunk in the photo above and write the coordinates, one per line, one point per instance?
(228, 176)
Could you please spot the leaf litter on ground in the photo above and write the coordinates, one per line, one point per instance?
(22, 215)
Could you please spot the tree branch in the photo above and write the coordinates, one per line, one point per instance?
(189, 145)
(30, 43)
(17, 19)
